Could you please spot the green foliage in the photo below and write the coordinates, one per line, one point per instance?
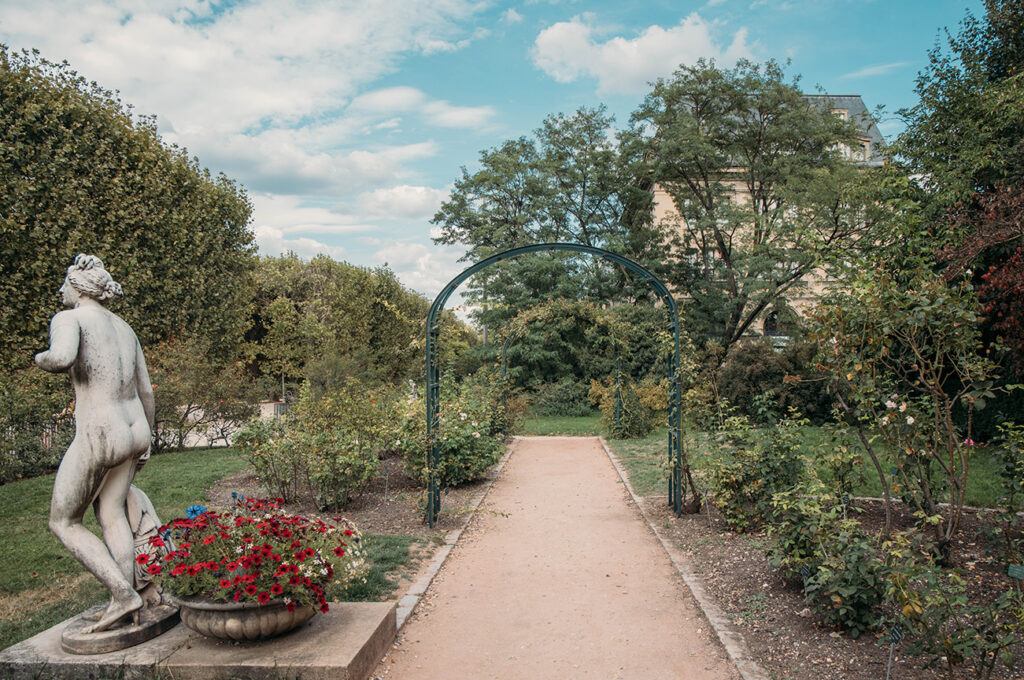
(326, 447)
(572, 181)
(628, 410)
(565, 398)
(1006, 533)
(752, 466)
(950, 629)
(36, 422)
(787, 375)
(329, 321)
(80, 173)
(471, 434)
(761, 192)
(196, 394)
(904, 351)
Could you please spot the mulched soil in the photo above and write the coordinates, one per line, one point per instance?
(782, 634)
(392, 503)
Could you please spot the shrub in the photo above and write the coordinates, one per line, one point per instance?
(565, 398)
(326, 446)
(633, 406)
(785, 376)
(36, 423)
(196, 395)
(471, 434)
(751, 467)
(1005, 535)
(932, 603)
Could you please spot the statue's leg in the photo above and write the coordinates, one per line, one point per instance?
(113, 517)
(77, 483)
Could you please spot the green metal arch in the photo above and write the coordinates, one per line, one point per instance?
(433, 331)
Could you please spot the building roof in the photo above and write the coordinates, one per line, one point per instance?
(859, 115)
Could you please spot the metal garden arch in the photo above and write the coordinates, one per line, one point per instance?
(675, 441)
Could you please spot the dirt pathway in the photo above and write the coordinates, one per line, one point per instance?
(557, 577)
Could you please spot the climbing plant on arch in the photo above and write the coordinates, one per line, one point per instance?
(676, 458)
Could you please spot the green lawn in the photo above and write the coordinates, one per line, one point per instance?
(41, 584)
(558, 425)
(644, 460)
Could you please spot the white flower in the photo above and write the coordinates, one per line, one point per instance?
(890, 404)
(885, 420)
(398, 442)
(476, 435)
(903, 407)
(910, 420)
(462, 416)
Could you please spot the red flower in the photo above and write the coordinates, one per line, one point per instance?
(142, 559)
(290, 606)
(324, 608)
(154, 569)
(209, 539)
(251, 589)
(231, 566)
(179, 569)
(276, 589)
(339, 551)
(212, 566)
(156, 542)
(225, 583)
(294, 581)
(263, 597)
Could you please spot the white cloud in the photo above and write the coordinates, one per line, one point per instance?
(290, 214)
(423, 268)
(248, 86)
(876, 70)
(572, 49)
(510, 16)
(273, 242)
(402, 201)
(403, 99)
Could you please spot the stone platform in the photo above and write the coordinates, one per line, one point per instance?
(344, 644)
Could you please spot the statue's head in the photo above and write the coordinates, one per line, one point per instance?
(88, 277)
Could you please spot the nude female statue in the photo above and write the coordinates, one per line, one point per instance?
(114, 418)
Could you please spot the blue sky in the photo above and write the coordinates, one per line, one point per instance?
(348, 121)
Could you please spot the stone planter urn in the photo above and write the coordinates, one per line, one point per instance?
(245, 621)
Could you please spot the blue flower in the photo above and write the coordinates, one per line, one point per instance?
(194, 511)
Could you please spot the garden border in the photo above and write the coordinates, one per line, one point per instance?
(730, 636)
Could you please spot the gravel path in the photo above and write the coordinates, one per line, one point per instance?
(557, 577)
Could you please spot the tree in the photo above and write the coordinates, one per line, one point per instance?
(80, 173)
(762, 193)
(329, 321)
(573, 181)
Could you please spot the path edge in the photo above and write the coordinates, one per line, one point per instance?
(407, 604)
(730, 637)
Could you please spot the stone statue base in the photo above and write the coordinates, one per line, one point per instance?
(153, 621)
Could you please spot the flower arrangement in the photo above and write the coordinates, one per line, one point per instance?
(255, 552)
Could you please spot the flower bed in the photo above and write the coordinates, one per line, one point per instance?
(255, 552)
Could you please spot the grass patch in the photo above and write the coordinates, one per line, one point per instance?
(645, 460)
(389, 557)
(562, 425)
(33, 563)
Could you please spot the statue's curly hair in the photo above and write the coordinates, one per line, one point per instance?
(89, 277)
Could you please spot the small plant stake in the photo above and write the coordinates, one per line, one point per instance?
(805, 573)
(1016, 571)
(895, 635)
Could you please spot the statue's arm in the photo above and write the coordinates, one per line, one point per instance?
(64, 337)
(143, 386)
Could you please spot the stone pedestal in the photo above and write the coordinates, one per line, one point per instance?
(344, 644)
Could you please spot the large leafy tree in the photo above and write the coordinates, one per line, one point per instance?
(80, 173)
(573, 181)
(763, 196)
(327, 320)
(965, 137)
